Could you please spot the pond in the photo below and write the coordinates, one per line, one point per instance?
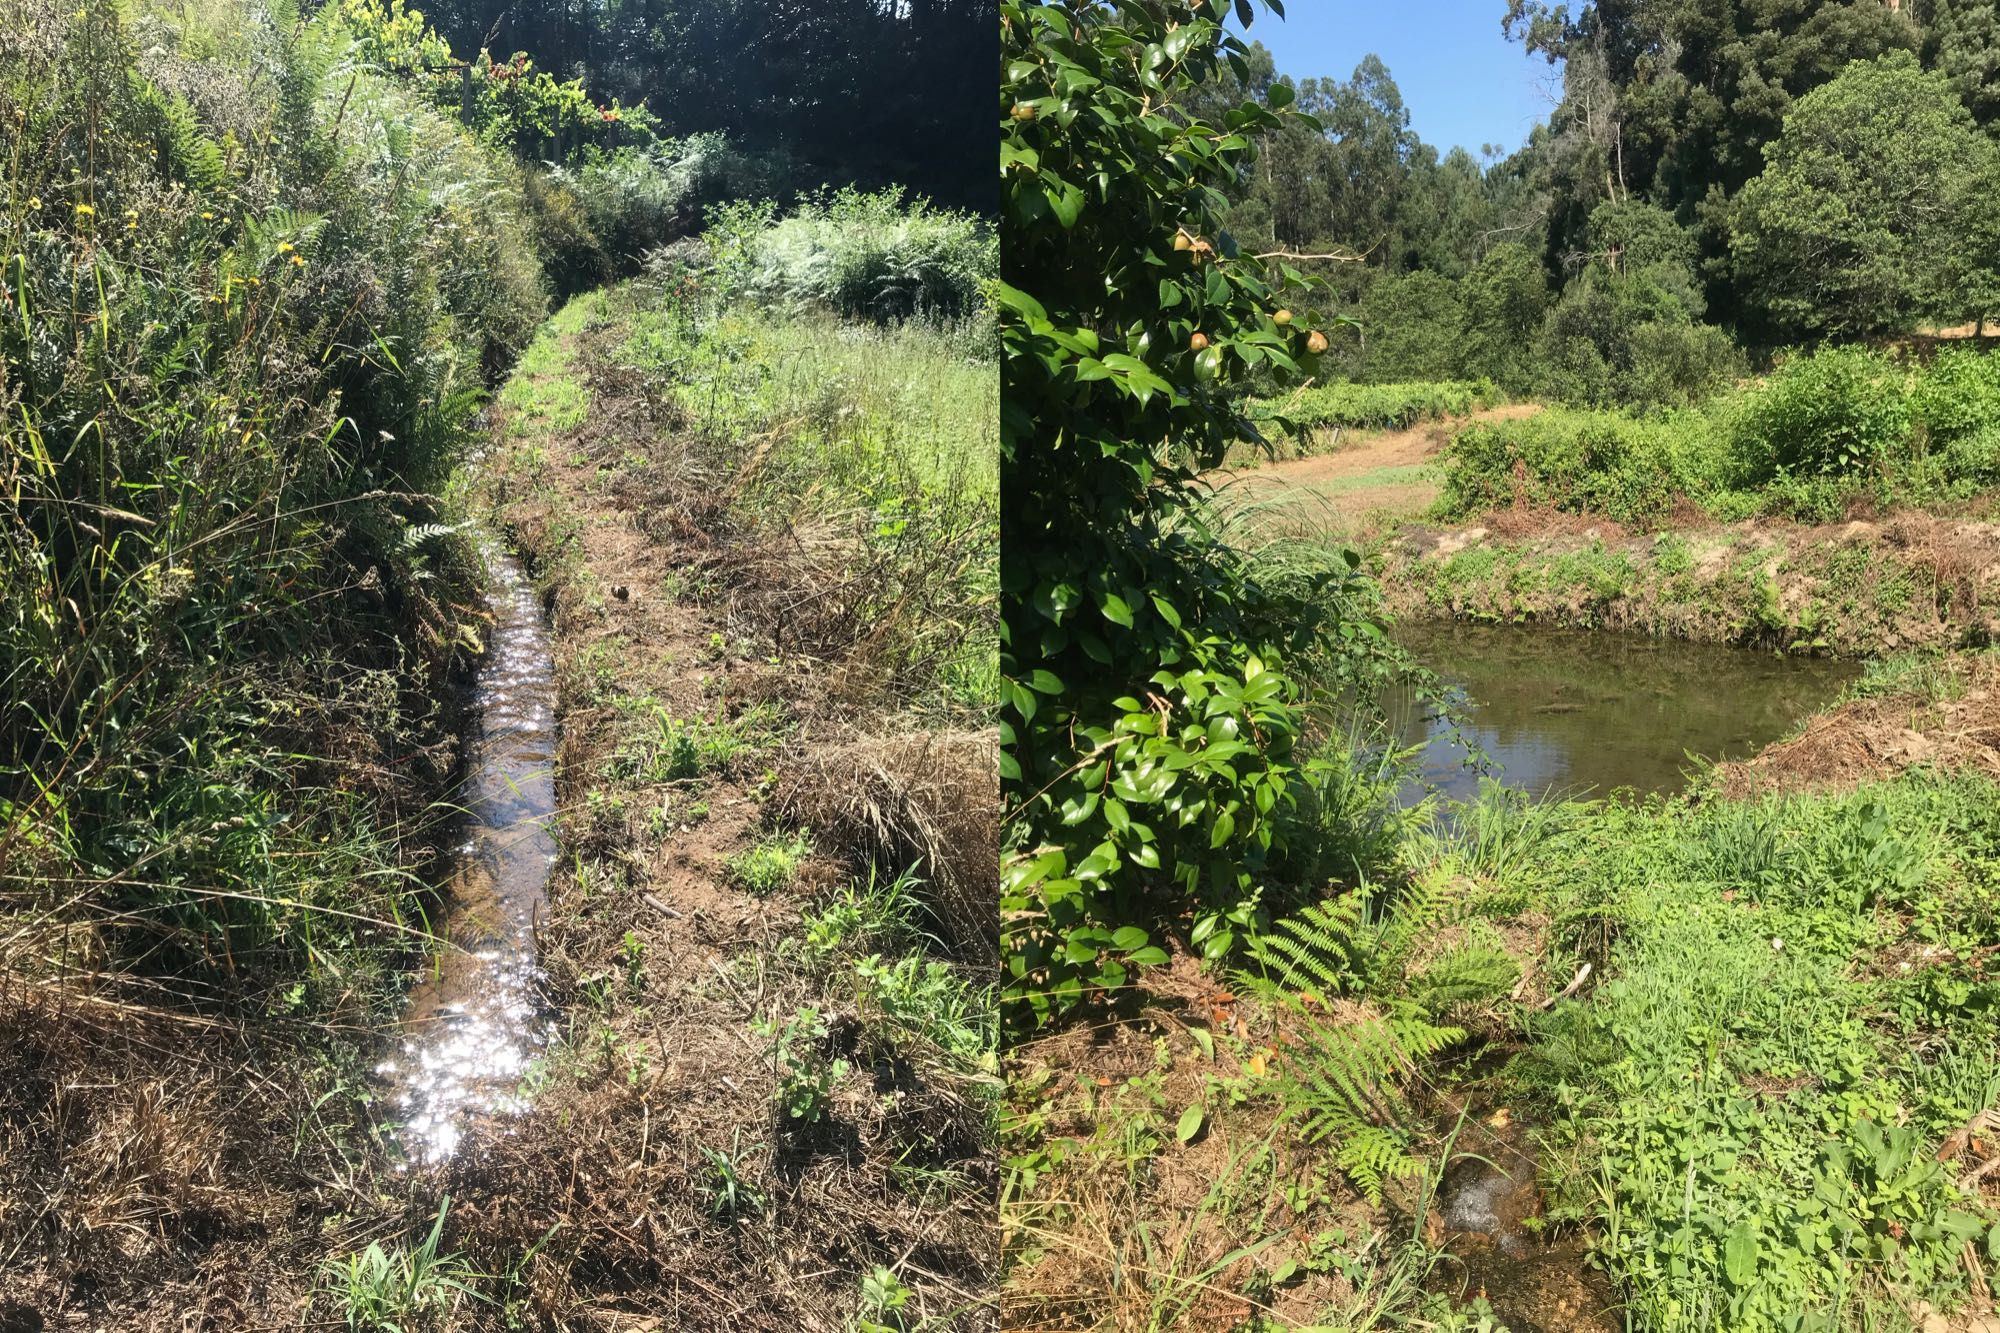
(1581, 713)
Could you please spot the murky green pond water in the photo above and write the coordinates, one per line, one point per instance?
(1579, 713)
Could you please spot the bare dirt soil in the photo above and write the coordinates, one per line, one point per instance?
(1369, 481)
(1952, 726)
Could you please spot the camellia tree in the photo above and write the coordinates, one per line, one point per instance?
(1148, 718)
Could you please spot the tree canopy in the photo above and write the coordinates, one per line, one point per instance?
(862, 91)
(1866, 210)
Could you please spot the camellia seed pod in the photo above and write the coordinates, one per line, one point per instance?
(1282, 318)
(1197, 342)
(1181, 241)
(1024, 111)
(1316, 342)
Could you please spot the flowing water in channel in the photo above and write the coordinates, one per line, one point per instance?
(476, 1021)
(1577, 713)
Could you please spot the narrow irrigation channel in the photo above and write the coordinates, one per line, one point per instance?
(477, 1019)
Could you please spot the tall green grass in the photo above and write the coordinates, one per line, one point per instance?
(251, 289)
(880, 436)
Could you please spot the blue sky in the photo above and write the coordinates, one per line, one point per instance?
(1464, 84)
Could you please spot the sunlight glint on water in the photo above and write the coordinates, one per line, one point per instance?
(473, 1027)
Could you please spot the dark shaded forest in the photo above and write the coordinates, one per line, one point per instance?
(860, 91)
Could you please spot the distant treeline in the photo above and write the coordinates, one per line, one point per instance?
(1716, 181)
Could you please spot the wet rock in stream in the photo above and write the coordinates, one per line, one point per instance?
(1495, 1248)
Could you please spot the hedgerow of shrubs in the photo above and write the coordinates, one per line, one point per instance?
(1373, 406)
(1825, 431)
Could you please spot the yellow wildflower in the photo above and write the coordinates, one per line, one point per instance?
(285, 247)
(297, 262)
(208, 217)
(85, 211)
(34, 202)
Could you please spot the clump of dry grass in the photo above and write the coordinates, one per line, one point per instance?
(141, 1182)
(927, 801)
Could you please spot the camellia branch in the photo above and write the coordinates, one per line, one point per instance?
(1338, 256)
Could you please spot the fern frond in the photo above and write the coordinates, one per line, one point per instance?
(418, 533)
(1372, 1156)
(1342, 1084)
(185, 153)
(1321, 951)
(1472, 974)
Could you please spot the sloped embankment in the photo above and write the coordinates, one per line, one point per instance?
(1861, 588)
(1944, 715)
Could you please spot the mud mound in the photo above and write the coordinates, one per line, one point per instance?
(1864, 739)
(1523, 521)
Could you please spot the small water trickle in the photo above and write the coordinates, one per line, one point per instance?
(474, 1024)
(1490, 1208)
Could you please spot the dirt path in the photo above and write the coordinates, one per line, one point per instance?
(659, 1161)
(1370, 482)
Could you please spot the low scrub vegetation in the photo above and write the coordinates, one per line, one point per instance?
(1759, 1118)
(1826, 433)
(254, 285)
(860, 255)
(1313, 412)
(1762, 1112)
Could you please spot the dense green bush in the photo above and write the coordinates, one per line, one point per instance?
(1956, 395)
(252, 288)
(1623, 467)
(1151, 706)
(1506, 299)
(1841, 411)
(1409, 328)
(633, 200)
(509, 103)
(1632, 337)
(1625, 331)
(873, 255)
